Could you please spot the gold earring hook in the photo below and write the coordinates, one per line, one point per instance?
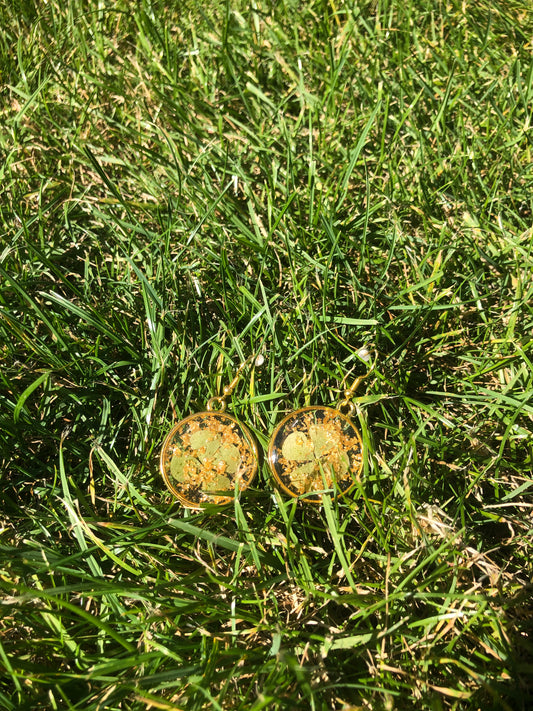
(218, 403)
(346, 401)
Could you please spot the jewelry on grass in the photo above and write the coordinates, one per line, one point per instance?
(209, 456)
(318, 449)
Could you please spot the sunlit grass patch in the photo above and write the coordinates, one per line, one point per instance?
(185, 186)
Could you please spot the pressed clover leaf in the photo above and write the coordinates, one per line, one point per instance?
(319, 451)
(299, 448)
(207, 463)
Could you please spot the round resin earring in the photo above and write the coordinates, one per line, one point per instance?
(317, 449)
(209, 456)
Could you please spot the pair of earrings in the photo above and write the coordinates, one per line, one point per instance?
(210, 456)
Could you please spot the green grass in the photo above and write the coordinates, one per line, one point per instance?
(184, 184)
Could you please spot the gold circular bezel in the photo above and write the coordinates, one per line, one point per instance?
(165, 458)
(273, 457)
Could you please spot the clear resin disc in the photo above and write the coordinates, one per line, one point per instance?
(315, 449)
(207, 457)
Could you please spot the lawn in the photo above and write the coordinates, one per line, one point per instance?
(191, 186)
